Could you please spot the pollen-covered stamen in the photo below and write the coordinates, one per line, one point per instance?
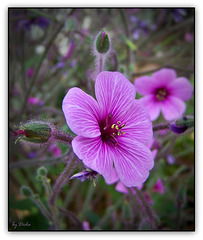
(110, 132)
(161, 94)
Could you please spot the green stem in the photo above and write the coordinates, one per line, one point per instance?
(89, 195)
(38, 162)
(57, 189)
(42, 208)
(147, 208)
(109, 212)
(127, 33)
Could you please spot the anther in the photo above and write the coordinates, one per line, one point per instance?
(113, 125)
(116, 127)
(122, 126)
(119, 122)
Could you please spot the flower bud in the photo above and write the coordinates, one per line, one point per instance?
(26, 191)
(181, 125)
(42, 171)
(35, 132)
(102, 42)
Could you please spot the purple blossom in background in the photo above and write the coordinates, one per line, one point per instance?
(30, 72)
(178, 14)
(26, 24)
(170, 159)
(164, 92)
(141, 27)
(113, 131)
(189, 37)
(159, 187)
(55, 150)
(35, 101)
(70, 50)
(86, 225)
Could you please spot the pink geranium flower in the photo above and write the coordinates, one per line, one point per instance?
(113, 132)
(164, 92)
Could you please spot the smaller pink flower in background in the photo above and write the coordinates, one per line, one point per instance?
(159, 187)
(86, 225)
(35, 101)
(164, 92)
(189, 37)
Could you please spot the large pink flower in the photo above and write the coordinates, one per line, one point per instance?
(165, 93)
(113, 132)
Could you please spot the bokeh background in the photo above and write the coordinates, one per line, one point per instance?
(50, 51)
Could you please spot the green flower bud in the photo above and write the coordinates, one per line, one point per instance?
(185, 121)
(34, 132)
(42, 171)
(26, 191)
(102, 42)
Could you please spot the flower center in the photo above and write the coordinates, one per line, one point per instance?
(161, 94)
(111, 131)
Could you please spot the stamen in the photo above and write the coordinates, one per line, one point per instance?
(122, 126)
(113, 126)
(123, 132)
(116, 127)
(119, 122)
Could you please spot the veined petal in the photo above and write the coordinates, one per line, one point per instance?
(164, 77)
(173, 108)
(181, 88)
(120, 187)
(114, 93)
(138, 125)
(145, 85)
(132, 161)
(81, 113)
(114, 178)
(152, 107)
(95, 154)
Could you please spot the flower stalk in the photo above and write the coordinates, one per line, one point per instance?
(57, 188)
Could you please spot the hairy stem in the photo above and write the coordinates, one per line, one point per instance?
(57, 189)
(161, 126)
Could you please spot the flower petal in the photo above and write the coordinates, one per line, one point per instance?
(164, 77)
(81, 113)
(95, 154)
(138, 125)
(132, 161)
(114, 93)
(114, 178)
(173, 108)
(181, 88)
(152, 107)
(145, 85)
(120, 187)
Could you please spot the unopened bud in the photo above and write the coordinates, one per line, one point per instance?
(102, 42)
(35, 132)
(181, 125)
(42, 171)
(26, 191)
